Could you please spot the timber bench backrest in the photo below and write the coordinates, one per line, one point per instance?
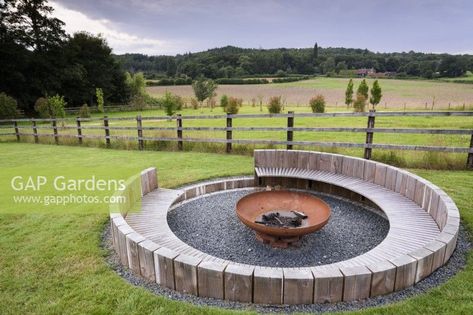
(425, 194)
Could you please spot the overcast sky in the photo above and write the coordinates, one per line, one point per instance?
(170, 27)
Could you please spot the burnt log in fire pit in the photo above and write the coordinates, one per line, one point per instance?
(281, 218)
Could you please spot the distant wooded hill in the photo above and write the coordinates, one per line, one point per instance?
(231, 62)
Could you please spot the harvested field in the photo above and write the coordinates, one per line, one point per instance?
(414, 94)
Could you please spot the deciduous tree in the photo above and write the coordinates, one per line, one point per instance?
(349, 93)
(376, 94)
(203, 89)
(363, 89)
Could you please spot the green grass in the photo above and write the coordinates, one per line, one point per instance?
(52, 263)
(412, 94)
(387, 84)
(468, 78)
(405, 158)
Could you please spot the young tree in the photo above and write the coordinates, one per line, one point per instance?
(360, 103)
(100, 103)
(363, 89)
(169, 103)
(41, 106)
(315, 53)
(56, 106)
(275, 104)
(317, 104)
(203, 89)
(224, 101)
(84, 111)
(260, 100)
(376, 94)
(233, 105)
(7, 106)
(349, 93)
(51, 107)
(136, 84)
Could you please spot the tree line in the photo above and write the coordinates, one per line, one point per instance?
(231, 62)
(39, 60)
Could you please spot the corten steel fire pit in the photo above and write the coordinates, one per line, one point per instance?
(281, 218)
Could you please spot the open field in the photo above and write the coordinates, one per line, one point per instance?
(53, 264)
(415, 94)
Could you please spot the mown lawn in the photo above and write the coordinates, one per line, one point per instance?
(52, 263)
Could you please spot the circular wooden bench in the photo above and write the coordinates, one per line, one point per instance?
(424, 224)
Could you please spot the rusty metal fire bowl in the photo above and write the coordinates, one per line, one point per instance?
(297, 214)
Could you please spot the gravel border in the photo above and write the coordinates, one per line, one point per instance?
(209, 223)
(456, 263)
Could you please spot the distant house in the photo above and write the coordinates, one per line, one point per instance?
(365, 72)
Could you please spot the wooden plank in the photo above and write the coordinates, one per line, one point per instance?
(122, 232)
(380, 174)
(348, 166)
(383, 277)
(185, 274)
(369, 134)
(328, 284)
(424, 259)
(391, 174)
(239, 283)
(369, 171)
(298, 286)
(357, 282)
(410, 187)
(438, 248)
(419, 193)
(359, 168)
(164, 267)
(450, 242)
(116, 220)
(210, 279)
(107, 130)
(337, 114)
(146, 257)
(132, 241)
(405, 271)
(337, 164)
(335, 129)
(325, 162)
(303, 160)
(139, 129)
(268, 285)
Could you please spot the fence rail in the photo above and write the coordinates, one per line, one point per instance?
(18, 125)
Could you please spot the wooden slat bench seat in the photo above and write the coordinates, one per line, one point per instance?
(424, 224)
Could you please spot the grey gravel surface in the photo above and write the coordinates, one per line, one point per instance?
(454, 265)
(210, 224)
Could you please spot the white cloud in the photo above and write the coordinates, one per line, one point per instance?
(121, 42)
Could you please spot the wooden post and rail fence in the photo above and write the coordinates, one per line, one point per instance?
(19, 125)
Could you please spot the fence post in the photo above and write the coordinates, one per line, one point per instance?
(179, 131)
(369, 134)
(229, 133)
(469, 161)
(107, 131)
(17, 132)
(54, 123)
(79, 130)
(139, 128)
(290, 125)
(35, 131)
